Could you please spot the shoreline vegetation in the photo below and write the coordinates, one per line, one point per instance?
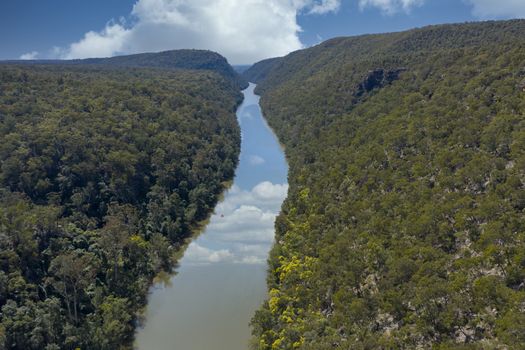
(164, 276)
(404, 226)
(107, 170)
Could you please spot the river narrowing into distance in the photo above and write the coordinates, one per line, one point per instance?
(221, 279)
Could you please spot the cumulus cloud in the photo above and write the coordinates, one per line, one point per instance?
(251, 260)
(244, 31)
(202, 255)
(325, 6)
(242, 228)
(245, 224)
(106, 43)
(256, 160)
(29, 56)
(497, 9)
(391, 6)
(265, 196)
(269, 191)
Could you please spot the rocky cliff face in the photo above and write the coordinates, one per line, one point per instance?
(376, 79)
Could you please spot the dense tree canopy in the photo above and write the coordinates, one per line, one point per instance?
(404, 227)
(104, 172)
(173, 59)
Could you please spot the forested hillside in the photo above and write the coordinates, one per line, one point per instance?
(404, 227)
(173, 59)
(104, 173)
(259, 71)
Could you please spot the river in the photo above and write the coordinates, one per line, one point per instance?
(221, 279)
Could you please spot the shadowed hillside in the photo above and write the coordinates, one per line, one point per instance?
(259, 71)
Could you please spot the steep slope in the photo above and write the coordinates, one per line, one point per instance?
(104, 172)
(404, 227)
(259, 71)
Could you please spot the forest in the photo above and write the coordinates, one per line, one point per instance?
(106, 170)
(173, 59)
(404, 226)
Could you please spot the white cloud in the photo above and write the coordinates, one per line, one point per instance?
(242, 228)
(265, 195)
(247, 115)
(256, 160)
(245, 224)
(498, 9)
(244, 31)
(29, 56)
(202, 255)
(269, 191)
(251, 260)
(391, 7)
(325, 7)
(110, 41)
(252, 253)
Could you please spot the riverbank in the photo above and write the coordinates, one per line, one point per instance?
(220, 280)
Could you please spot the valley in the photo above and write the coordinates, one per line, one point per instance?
(220, 281)
(363, 192)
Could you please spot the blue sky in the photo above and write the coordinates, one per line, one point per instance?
(243, 30)
(350, 20)
(40, 25)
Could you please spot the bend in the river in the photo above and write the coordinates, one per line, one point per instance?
(220, 281)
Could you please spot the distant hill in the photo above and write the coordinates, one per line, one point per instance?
(174, 59)
(260, 70)
(346, 50)
(241, 68)
(404, 226)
